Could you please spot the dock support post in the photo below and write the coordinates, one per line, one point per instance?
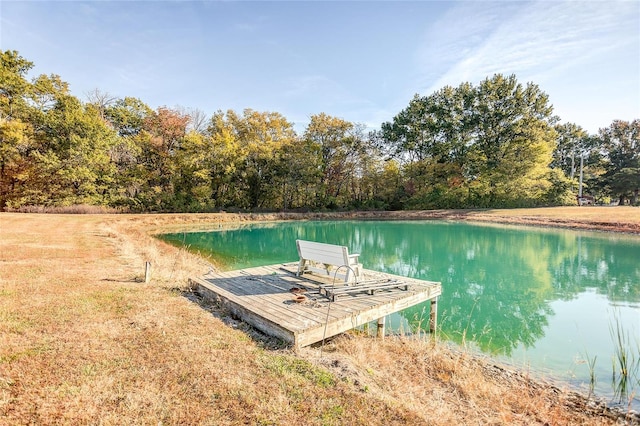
(147, 272)
(433, 315)
(380, 331)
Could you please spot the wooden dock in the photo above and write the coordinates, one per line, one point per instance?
(307, 309)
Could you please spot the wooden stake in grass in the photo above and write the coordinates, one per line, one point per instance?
(147, 272)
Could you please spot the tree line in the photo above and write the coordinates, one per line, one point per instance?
(495, 144)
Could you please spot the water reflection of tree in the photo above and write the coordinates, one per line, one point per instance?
(590, 262)
(267, 243)
(496, 284)
(262, 244)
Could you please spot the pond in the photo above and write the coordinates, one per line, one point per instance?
(562, 304)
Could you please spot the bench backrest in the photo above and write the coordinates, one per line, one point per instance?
(324, 253)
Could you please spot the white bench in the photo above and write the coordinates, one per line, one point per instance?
(325, 256)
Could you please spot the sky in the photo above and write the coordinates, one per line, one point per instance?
(362, 61)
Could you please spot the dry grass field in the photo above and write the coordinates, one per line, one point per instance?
(83, 340)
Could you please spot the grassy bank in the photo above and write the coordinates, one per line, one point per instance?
(83, 340)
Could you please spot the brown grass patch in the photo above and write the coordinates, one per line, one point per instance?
(73, 209)
(84, 341)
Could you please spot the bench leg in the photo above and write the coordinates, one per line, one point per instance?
(353, 270)
(301, 267)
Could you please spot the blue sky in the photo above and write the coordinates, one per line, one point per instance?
(361, 61)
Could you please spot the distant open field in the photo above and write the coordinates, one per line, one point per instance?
(614, 219)
(83, 340)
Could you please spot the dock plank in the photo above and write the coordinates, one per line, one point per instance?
(260, 296)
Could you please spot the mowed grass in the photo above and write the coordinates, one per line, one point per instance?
(83, 340)
(580, 215)
(616, 219)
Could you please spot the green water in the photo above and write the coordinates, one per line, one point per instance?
(542, 299)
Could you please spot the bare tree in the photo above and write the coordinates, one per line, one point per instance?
(197, 119)
(101, 100)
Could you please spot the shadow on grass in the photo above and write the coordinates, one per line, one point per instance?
(124, 280)
(217, 309)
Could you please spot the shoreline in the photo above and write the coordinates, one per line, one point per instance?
(593, 221)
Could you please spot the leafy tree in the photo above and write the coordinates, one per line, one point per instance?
(163, 132)
(127, 118)
(54, 148)
(15, 89)
(373, 181)
(575, 148)
(299, 174)
(409, 137)
(388, 189)
(515, 139)
(481, 146)
(15, 143)
(167, 128)
(438, 127)
(338, 142)
(193, 188)
(248, 172)
(16, 133)
(47, 91)
(264, 137)
(621, 143)
(571, 144)
(224, 160)
(71, 162)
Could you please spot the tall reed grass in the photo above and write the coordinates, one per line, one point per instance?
(625, 378)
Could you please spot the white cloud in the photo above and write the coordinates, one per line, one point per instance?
(324, 90)
(311, 85)
(27, 35)
(534, 41)
(583, 54)
(453, 39)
